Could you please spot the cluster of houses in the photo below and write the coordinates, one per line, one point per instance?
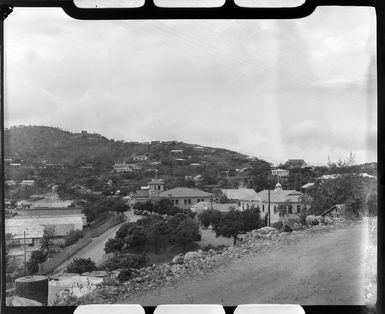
(241, 198)
(32, 218)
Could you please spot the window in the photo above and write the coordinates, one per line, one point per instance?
(263, 208)
(275, 209)
(159, 187)
(189, 201)
(298, 208)
(247, 206)
(290, 209)
(176, 202)
(185, 202)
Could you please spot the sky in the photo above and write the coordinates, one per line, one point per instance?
(274, 89)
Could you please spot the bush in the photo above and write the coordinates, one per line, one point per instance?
(128, 261)
(277, 225)
(124, 275)
(73, 236)
(81, 265)
(36, 258)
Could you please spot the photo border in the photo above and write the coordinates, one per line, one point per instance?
(228, 11)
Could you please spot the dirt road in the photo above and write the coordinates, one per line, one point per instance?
(323, 268)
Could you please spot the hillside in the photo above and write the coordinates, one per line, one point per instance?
(36, 143)
(31, 145)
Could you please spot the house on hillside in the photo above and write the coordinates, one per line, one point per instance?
(140, 157)
(10, 182)
(184, 198)
(176, 152)
(335, 211)
(245, 198)
(295, 163)
(278, 197)
(199, 149)
(280, 172)
(123, 167)
(27, 183)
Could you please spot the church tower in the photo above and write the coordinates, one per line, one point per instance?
(156, 186)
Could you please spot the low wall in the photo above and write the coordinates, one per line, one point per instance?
(49, 265)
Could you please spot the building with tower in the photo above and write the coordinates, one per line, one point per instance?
(278, 197)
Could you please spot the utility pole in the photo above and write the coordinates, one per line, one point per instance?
(25, 257)
(268, 207)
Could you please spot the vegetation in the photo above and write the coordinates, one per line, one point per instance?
(186, 232)
(73, 236)
(127, 261)
(81, 265)
(350, 189)
(36, 258)
(232, 223)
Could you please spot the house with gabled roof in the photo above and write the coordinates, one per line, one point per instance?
(245, 198)
(184, 198)
(291, 198)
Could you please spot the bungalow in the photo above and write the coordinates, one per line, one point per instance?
(335, 211)
(199, 149)
(184, 198)
(10, 182)
(123, 167)
(295, 163)
(280, 173)
(278, 197)
(176, 152)
(141, 157)
(245, 198)
(27, 183)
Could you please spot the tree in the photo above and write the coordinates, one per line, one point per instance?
(187, 232)
(251, 219)
(209, 217)
(36, 258)
(136, 238)
(161, 232)
(73, 236)
(220, 197)
(48, 235)
(81, 265)
(230, 225)
(113, 245)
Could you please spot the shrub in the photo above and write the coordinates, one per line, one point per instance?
(277, 225)
(128, 261)
(124, 275)
(73, 236)
(81, 265)
(36, 258)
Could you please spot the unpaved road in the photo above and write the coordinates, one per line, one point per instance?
(322, 268)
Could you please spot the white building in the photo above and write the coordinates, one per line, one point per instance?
(27, 183)
(291, 198)
(246, 198)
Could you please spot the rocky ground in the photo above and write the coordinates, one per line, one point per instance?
(225, 276)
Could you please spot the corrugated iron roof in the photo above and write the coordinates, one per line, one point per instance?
(184, 192)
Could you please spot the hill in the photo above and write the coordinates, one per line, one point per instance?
(36, 143)
(31, 145)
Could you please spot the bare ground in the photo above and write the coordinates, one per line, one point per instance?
(320, 268)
